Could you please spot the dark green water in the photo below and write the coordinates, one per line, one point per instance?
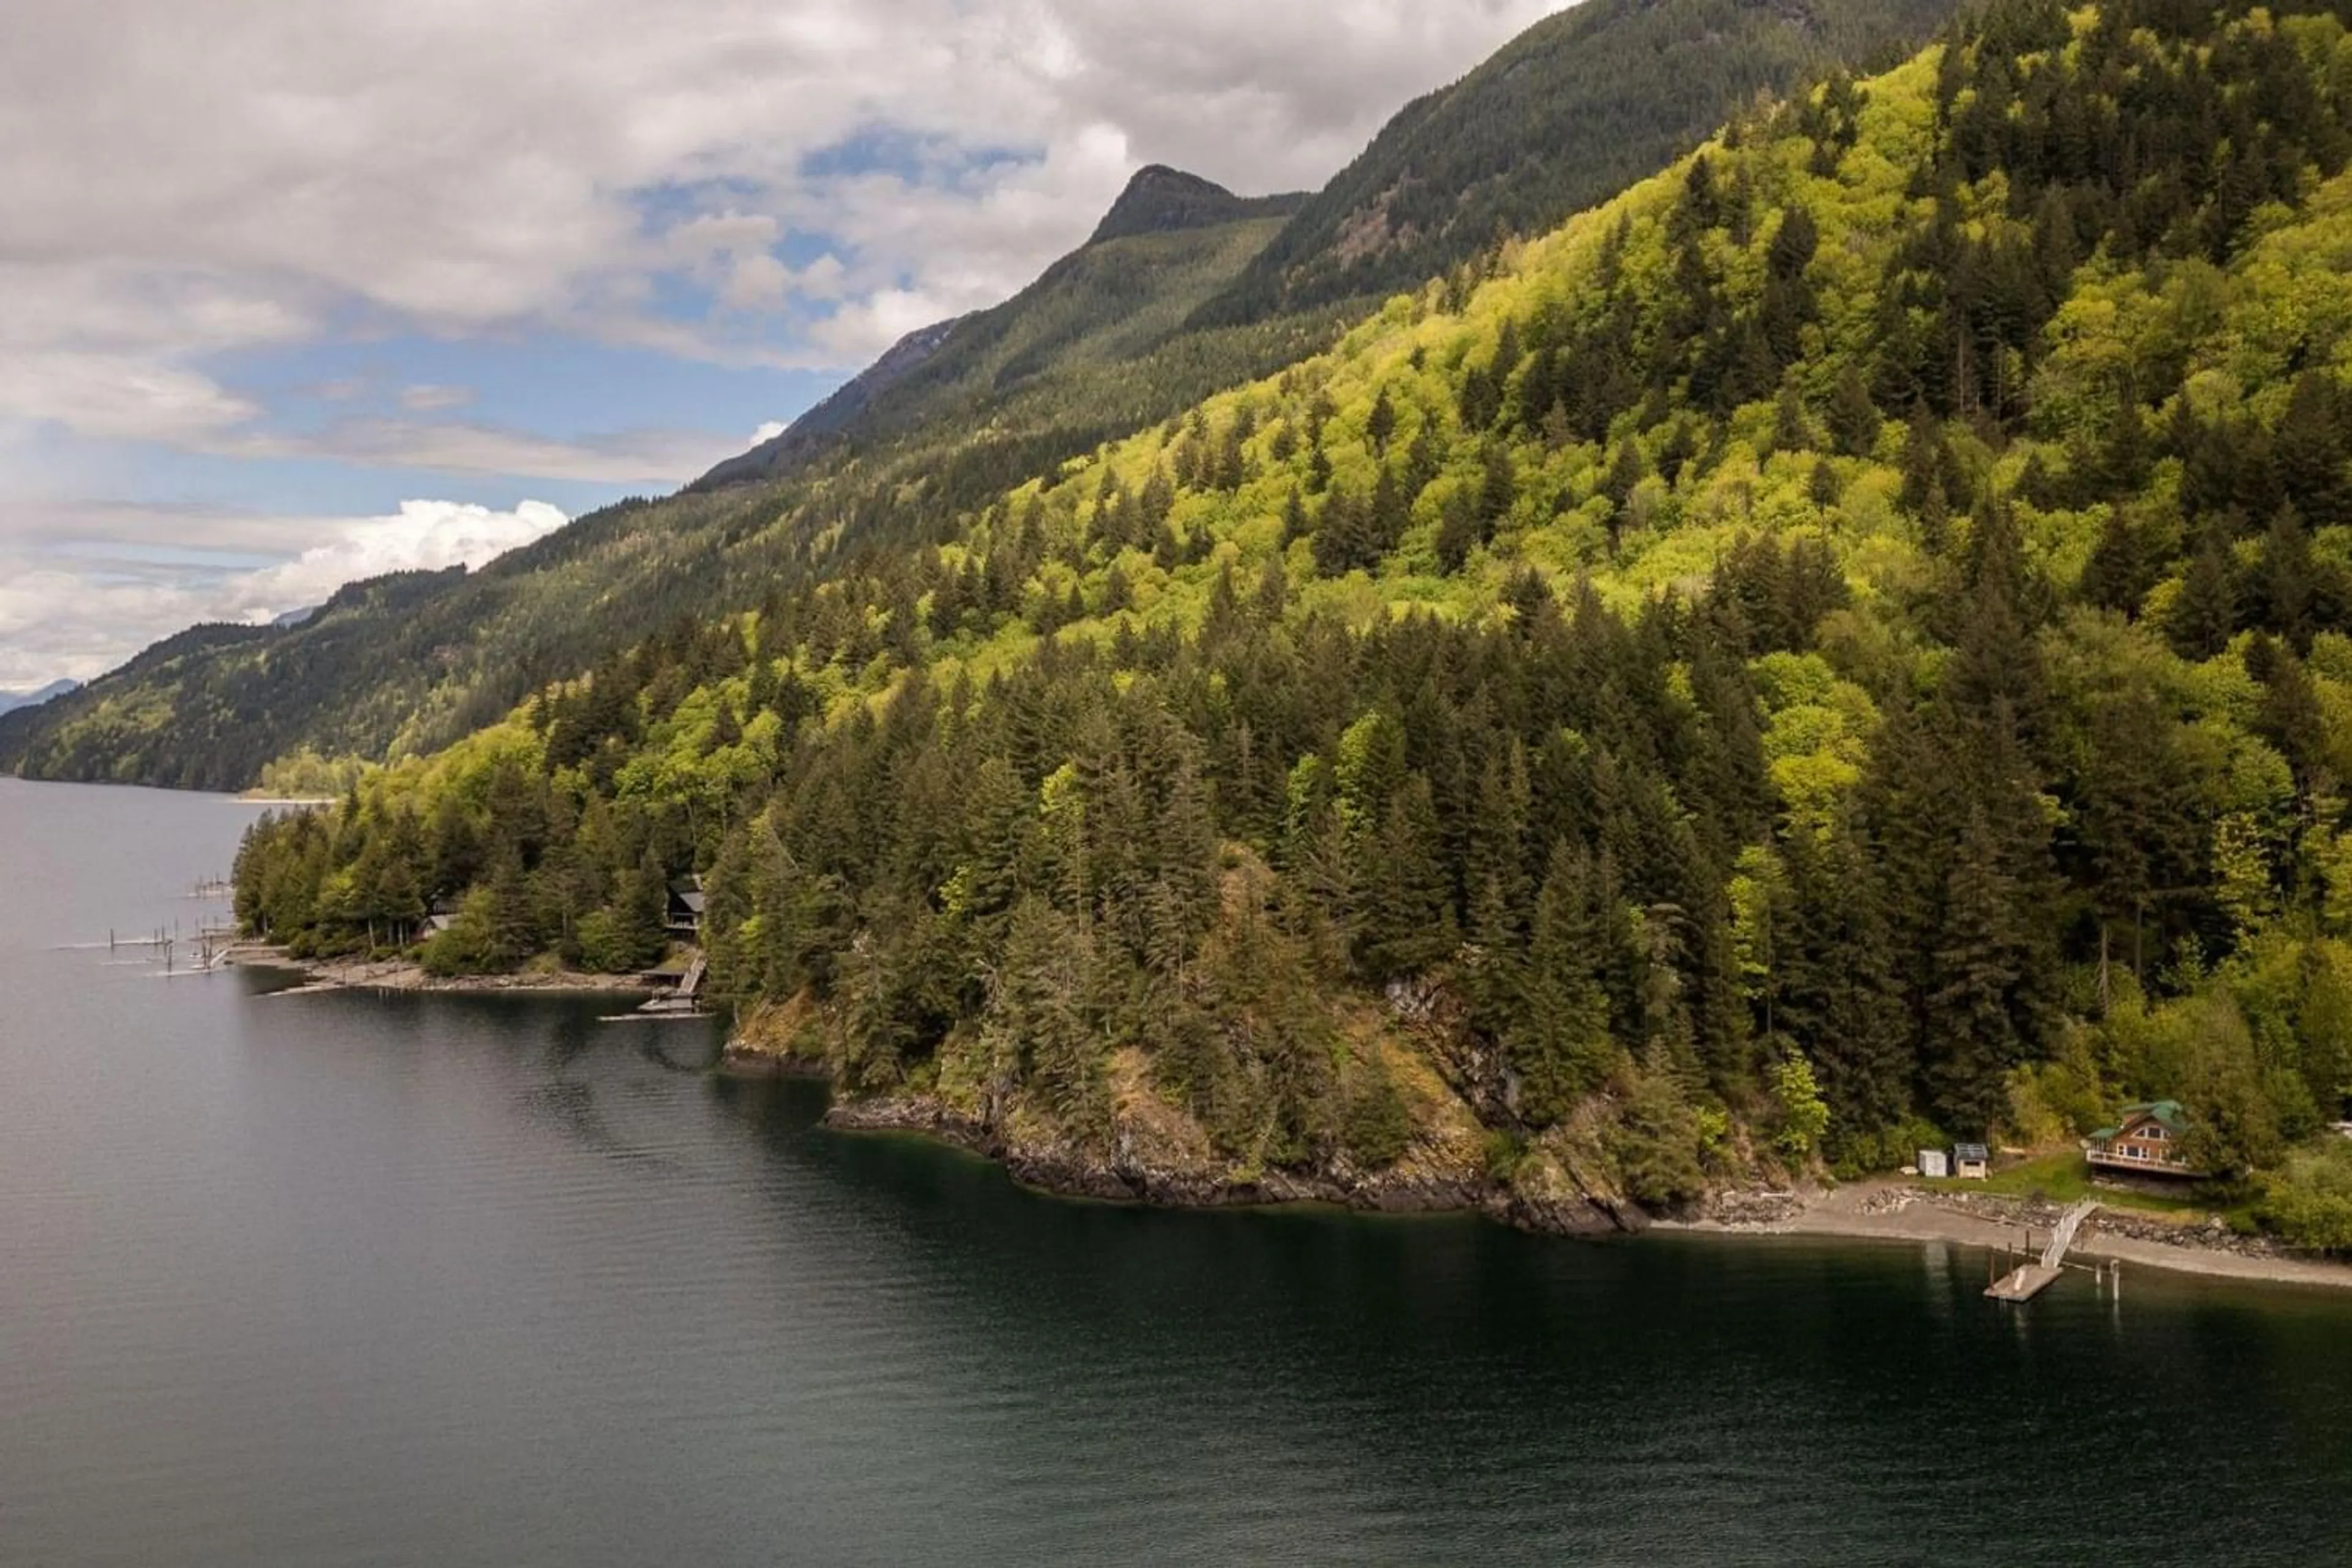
(336, 1278)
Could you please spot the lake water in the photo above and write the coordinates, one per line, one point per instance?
(344, 1278)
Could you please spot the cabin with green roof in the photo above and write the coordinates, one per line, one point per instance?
(2146, 1140)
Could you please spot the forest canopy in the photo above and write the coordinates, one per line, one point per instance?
(1848, 643)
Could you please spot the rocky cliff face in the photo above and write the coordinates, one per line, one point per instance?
(1154, 1152)
(1128, 1171)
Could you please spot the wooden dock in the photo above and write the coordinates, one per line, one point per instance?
(2030, 1279)
(2023, 1283)
(685, 1001)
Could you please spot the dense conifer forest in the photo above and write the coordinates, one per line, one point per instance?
(1849, 643)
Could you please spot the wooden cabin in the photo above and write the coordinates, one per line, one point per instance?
(686, 903)
(1972, 1162)
(2146, 1140)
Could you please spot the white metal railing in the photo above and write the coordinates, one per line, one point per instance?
(2064, 1236)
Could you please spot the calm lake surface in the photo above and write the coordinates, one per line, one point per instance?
(347, 1279)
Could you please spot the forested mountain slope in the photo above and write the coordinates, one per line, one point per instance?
(1854, 634)
(949, 418)
(1089, 339)
(1575, 108)
(1578, 107)
(1100, 346)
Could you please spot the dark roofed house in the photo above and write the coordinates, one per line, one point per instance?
(1971, 1162)
(2146, 1140)
(686, 903)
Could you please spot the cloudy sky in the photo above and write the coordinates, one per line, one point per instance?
(293, 291)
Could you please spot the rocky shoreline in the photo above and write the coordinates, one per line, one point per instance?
(1125, 1175)
(405, 974)
(740, 1061)
(1877, 1210)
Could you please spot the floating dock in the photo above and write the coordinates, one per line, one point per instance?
(2024, 1282)
(2030, 1279)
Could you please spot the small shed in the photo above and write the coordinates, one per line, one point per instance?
(1971, 1162)
(1935, 1163)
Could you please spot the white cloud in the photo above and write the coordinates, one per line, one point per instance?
(118, 395)
(211, 176)
(424, 535)
(195, 180)
(110, 581)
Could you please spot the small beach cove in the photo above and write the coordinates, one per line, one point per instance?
(1888, 1210)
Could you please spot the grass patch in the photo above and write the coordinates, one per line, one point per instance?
(2065, 1178)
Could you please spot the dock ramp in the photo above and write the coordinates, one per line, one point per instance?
(2030, 1279)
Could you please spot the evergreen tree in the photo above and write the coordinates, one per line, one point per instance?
(2125, 565)
(1980, 1021)
(1379, 424)
(1824, 489)
(2205, 615)
(1457, 533)
(2288, 581)
(1853, 418)
(1498, 487)
(1558, 1040)
(1409, 922)
(1837, 995)
(1791, 431)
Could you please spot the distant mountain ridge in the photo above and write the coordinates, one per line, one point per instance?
(12, 701)
(1170, 241)
(1572, 110)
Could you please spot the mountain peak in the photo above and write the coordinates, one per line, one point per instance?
(1160, 199)
(12, 701)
